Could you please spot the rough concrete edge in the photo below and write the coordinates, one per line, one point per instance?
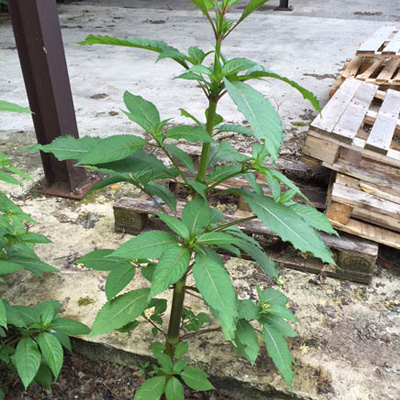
(101, 351)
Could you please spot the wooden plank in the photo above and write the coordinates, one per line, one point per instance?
(374, 190)
(336, 106)
(383, 221)
(393, 47)
(351, 68)
(370, 232)
(354, 197)
(350, 122)
(382, 132)
(388, 71)
(371, 70)
(375, 42)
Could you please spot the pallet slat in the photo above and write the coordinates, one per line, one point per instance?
(383, 129)
(393, 47)
(373, 45)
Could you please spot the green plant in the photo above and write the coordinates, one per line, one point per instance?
(31, 338)
(188, 262)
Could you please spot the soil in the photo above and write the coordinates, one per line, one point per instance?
(84, 379)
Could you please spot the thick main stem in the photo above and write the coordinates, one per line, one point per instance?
(205, 151)
(178, 298)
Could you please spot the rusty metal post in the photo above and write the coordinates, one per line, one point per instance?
(41, 52)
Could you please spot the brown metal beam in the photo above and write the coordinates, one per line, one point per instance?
(41, 52)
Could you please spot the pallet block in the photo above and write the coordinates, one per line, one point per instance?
(355, 257)
(364, 209)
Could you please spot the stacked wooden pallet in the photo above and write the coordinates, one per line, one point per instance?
(358, 135)
(376, 61)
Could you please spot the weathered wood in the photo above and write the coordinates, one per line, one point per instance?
(383, 129)
(393, 47)
(339, 212)
(331, 113)
(374, 44)
(359, 250)
(350, 122)
(389, 69)
(370, 232)
(371, 70)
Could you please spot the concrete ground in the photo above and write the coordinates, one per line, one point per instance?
(349, 344)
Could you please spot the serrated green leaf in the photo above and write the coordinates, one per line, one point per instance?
(64, 339)
(198, 187)
(29, 315)
(251, 6)
(67, 147)
(196, 55)
(7, 267)
(148, 272)
(27, 360)
(226, 152)
(184, 158)
(274, 186)
(191, 76)
(152, 389)
(3, 315)
(216, 238)
(18, 172)
(118, 279)
(281, 311)
(141, 111)
(261, 115)
(259, 71)
(101, 260)
(52, 352)
(237, 65)
(196, 379)
(223, 172)
(172, 265)
(247, 309)
(120, 311)
(279, 324)
(6, 106)
(247, 339)
(258, 255)
(44, 377)
(6, 177)
(30, 237)
(235, 128)
(279, 352)
(47, 310)
(9, 208)
(215, 286)
(190, 133)
(113, 148)
(314, 218)
(175, 225)
(289, 226)
(69, 326)
(157, 46)
(147, 245)
(203, 5)
(196, 216)
(286, 181)
(272, 296)
(174, 389)
(181, 349)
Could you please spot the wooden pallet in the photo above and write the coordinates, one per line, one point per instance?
(384, 72)
(383, 43)
(355, 257)
(358, 134)
(364, 209)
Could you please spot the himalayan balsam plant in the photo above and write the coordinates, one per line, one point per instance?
(185, 258)
(31, 338)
